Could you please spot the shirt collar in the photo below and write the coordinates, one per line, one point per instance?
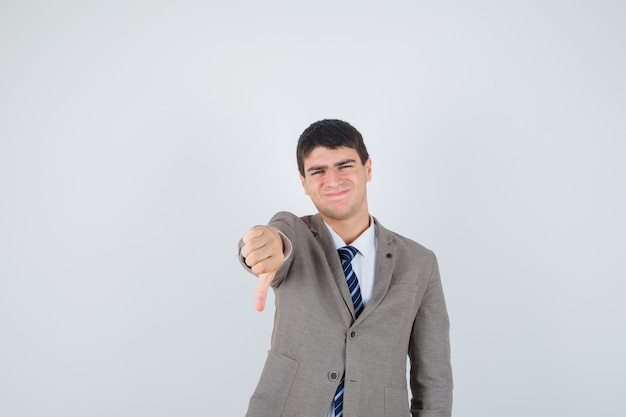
(365, 243)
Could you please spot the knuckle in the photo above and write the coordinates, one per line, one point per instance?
(259, 269)
(251, 234)
(251, 259)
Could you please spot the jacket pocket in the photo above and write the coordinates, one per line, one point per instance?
(396, 402)
(273, 388)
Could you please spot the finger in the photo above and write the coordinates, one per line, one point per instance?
(261, 247)
(261, 290)
(256, 231)
(252, 241)
(263, 260)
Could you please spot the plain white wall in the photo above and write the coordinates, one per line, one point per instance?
(139, 140)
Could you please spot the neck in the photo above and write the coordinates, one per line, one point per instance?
(349, 229)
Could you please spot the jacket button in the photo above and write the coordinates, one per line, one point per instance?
(333, 376)
(353, 334)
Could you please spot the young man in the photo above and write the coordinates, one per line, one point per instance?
(353, 299)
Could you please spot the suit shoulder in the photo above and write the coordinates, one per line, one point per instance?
(410, 256)
(406, 244)
(411, 243)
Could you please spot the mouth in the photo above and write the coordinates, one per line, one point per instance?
(336, 195)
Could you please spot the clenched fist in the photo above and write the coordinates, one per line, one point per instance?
(263, 252)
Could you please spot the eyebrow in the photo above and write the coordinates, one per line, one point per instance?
(342, 162)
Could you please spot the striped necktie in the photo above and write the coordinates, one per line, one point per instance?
(346, 254)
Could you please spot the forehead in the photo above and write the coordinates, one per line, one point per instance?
(327, 156)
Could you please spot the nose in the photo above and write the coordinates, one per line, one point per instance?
(333, 178)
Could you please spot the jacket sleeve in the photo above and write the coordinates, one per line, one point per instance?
(285, 223)
(429, 352)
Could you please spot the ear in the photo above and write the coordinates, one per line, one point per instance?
(303, 182)
(368, 169)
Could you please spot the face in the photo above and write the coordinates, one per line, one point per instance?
(336, 181)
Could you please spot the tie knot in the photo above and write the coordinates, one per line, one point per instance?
(347, 253)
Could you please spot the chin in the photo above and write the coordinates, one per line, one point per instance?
(337, 215)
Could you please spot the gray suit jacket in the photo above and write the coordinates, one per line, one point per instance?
(316, 338)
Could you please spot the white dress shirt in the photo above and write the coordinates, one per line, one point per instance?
(364, 261)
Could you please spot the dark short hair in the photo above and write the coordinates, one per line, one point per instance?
(332, 134)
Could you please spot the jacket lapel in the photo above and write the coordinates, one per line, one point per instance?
(385, 255)
(319, 230)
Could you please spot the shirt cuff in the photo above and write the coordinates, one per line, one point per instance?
(287, 246)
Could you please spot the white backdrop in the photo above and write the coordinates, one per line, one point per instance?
(139, 140)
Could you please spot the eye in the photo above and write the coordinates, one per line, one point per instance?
(344, 166)
(316, 172)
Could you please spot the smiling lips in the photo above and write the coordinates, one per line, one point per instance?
(336, 194)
